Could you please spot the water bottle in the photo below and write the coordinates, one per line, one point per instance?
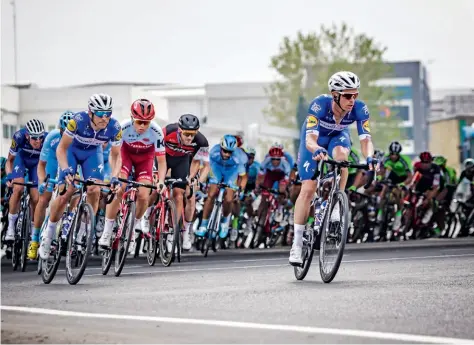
(66, 225)
(320, 207)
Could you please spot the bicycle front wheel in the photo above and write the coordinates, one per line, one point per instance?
(167, 235)
(25, 238)
(307, 255)
(79, 243)
(333, 236)
(127, 225)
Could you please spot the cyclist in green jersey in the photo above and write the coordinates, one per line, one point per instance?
(356, 176)
(446, 190)
(397, 168)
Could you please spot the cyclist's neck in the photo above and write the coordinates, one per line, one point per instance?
(338, 112)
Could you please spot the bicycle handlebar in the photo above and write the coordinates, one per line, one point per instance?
(344, 164)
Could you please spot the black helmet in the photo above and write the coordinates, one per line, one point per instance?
(188, 122)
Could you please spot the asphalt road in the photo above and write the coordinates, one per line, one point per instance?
(415, 292)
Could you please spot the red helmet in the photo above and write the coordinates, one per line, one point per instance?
(143, 109)
(239, 139)
(275, 152)
(426, 157)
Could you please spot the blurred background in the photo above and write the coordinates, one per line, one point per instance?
(246, 67)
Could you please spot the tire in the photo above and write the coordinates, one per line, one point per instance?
(74, 277)
(166, 256)
(152, 242)
(25, 239)
(307, 254)
(50, 269)
(341, 198)
(16, 246)
(128, 223)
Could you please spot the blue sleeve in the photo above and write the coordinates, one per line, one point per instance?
(46, 149)
(263, 166)
(287, 168)
(17, 142)
(241, 169)
(363, 125)
(71, 127)
(315, 112)
(116, 139)
(289, 159)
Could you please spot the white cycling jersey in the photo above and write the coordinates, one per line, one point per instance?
(152, 140)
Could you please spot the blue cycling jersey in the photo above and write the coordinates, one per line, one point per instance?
(85, 138)
(48, 152)
(321, 121)
(282, 166)
(235, 161)
(21, 146)
(107, 152)
(252, 171)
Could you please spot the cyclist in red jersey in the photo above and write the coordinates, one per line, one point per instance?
(186, 148)
(142, 141)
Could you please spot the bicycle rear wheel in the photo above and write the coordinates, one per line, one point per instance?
(25, 238)
(108, 254)
(307, 255)
(333, 237)
(167, 235)
(152, 238)
(128, 225)
(79, 243)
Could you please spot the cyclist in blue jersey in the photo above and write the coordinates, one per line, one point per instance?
(227, 166)
(326, 132)
(107, 169)
(81, 145)
(47, 166)
(252, 167)
(24, 154)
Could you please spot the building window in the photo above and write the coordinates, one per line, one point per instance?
(407, 133)
(12, 130)
(402, 112)
(6, 134)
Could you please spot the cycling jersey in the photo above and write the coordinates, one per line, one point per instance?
(26, 157)
(426, 178)
(288, 158)
(274, 174)
(179, 155)
(321, 122)
(107, 168)
(139, 150)
(86, 148)
(226, 170)
(252, 171)
(400, 168)
(48, 152)
(242, 155)
(448, 175)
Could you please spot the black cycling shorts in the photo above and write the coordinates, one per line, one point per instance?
(179, 166)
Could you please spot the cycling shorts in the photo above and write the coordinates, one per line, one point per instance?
(179, 166)
(396, 179)
(227, 175)
(306, 165)
(142, 163)
(21, 165)
(91, 162)
(273, 179)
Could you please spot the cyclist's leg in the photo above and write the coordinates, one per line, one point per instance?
(215, 176)
(230, 178)
(17, 175)
(306, 169)
(179, 170)
(339, 148)
(92, 164)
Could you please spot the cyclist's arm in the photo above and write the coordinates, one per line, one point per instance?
(42, 171)
(9, 164)
(312, 142)
(61, 152)
(115, 160)
(162, 168)
(367, 147)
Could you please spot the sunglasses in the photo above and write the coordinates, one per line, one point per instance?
(226, 152)
(189, 134)
(142, 122)
(276, 159)
(103, 114)
(37, 137)
(349, 96)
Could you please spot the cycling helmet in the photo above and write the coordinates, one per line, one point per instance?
(188, 122)
(3, 162)
(239, 139)
(100, 102)
(250, 151)
(426, 157)
(275, 152)
(395, 147)
(64, 119)
(142, 109)
(439, 160)
(468, 163)
(343, 80)
(35, 127)
(228, 142)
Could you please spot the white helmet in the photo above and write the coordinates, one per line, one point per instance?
(343, 80)
(35, 127)
(100, 102)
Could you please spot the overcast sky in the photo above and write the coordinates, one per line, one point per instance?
(66, 42)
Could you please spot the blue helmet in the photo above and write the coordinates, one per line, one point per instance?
(228, 142)
(64, 119)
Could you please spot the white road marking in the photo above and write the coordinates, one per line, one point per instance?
(277, 265)
(248, 325)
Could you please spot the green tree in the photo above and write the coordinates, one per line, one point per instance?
(304, 65)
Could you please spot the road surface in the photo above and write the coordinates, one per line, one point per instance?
(421, 291)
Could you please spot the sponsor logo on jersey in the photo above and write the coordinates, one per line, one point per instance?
(333, 126)
(118, 137)
(315, 107)
(366, 126)
(13, 143)
(365, 109)
(311, 122)
(72, 125)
